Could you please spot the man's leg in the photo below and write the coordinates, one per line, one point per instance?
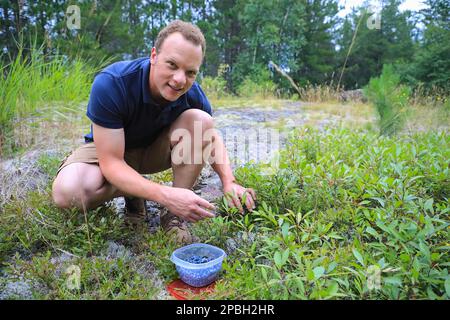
(190, 126)
(80, 183)
(158, 156)
(83, 186)
(186, 141)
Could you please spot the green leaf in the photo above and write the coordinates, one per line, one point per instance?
(372, 232)
(425, 250)
(435, 256)
(428, 206)
(304, 237)
(405, 258)
(333, 289)
(318, 272)
(335, 236)
(331, 266)
(431, 294)
(300, 286)
(381, 201)
(264, 273)
(396, 281)
(277, 259)
(358, 256)
(285, 230)
(447, 286)
(285, 256)
(310, 275)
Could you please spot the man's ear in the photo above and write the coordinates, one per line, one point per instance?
(153, 56)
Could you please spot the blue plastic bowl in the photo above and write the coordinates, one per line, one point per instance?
(198, 274)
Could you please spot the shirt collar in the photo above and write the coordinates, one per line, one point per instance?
(145, 81)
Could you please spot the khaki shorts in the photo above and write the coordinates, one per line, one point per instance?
(151, 159)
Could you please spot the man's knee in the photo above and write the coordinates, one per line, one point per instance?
(197, 116)
(65, 193)
(75, 190)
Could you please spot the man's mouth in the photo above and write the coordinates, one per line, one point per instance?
(175, 89)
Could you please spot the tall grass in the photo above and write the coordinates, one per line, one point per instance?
(33, 80)
(319, 93)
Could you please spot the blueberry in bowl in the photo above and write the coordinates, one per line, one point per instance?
(198, 264)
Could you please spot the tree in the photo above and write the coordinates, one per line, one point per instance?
(316, 57)
(431, 65)
(373, 47)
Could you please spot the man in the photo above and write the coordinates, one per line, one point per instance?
(144, 114)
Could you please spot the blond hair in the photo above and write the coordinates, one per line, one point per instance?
(189, 31)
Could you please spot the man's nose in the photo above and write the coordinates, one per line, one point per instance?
(179, 77)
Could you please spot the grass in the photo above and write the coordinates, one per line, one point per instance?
(348, 114)
(319, 93)
(33, 83)
(39, 242)
(433, 116)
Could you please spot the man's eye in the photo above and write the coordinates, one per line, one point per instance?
(171, 64)
(192, 73)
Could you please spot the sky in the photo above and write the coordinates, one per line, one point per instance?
(413, 5)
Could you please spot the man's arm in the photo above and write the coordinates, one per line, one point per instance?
(234, 192)
(110, 145)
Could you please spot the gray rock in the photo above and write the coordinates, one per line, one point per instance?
(21, 290)
(118, 251)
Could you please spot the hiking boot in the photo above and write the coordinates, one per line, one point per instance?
(135, 211)
(176, 227)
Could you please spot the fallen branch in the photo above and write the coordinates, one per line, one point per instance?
(284, 74)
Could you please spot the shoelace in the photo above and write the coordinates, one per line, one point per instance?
(174, 220)
(177, 222)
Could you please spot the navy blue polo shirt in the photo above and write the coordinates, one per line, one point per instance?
(120, 98)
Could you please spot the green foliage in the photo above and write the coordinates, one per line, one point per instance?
(100, 278)
(348, 215)
(307, 38)
(215, 87)
(390, 99)
(258, 84)
(35, 224)
(49, 164)
(431, 64)
(372, 47)
(316, 59)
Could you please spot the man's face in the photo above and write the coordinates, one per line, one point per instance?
(174, 68)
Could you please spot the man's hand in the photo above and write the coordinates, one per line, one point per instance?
(187, 205)
(235, 194)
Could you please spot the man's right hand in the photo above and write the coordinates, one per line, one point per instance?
(186, 204)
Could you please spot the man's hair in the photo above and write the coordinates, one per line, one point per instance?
(189, 31)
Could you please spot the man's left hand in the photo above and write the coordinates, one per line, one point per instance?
(235, 195)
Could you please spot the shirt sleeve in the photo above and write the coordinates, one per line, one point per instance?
(106, 102)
